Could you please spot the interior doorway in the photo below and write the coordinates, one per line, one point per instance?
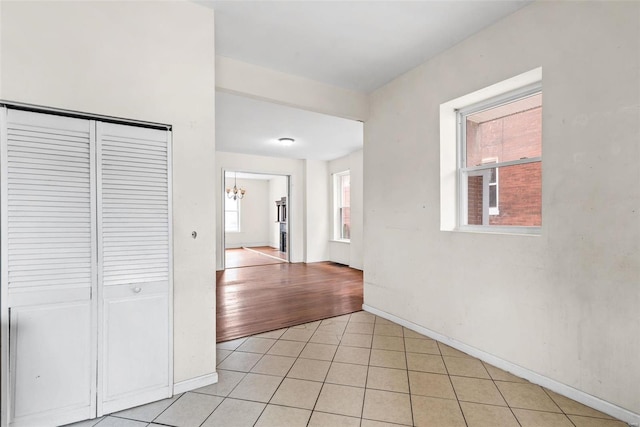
(256, 219)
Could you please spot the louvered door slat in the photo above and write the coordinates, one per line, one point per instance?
(36, 141)
(126, 177)
(30, 143)
(134, 250)
(144, 142)
(52, 129)
(132, 259)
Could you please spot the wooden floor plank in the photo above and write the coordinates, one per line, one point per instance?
(268, 250)
(240, 257)
(252, 300)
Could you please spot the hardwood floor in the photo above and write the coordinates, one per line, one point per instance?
(268, 250)
(242, 257)
(252, 300)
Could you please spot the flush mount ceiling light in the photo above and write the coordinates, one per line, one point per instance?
(286, 141)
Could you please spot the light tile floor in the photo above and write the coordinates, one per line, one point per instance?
(357, 370)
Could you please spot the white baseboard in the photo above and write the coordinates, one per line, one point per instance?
(194, 383)
(625, 415)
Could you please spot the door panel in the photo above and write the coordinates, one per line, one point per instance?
(52, 365)
(134, 253)
(136, 360)
(49, 266)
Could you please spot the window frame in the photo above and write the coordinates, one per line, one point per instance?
(237, 212)
(337, 205)
(463, 171)
(493, 210)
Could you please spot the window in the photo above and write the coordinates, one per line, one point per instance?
(342, 203)
(500, 159)
(231, 215)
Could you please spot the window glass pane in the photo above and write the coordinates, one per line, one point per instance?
(345, 223)
(231, 216)
(493, 196)
(231, 221)
(345, 190)
(230, 204)
(520, 196)
(520, 202)
(342, 212)
(475, 195)
(507, 132)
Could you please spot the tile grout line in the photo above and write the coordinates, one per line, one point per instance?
(502, 395)
(247, 374)
(325, 375)
(366, 378)
(406, 361)
(287, 373)
(224, 398)
(165, 409)
(565, 414)
(446, 368)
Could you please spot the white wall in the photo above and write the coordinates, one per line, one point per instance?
(351, 253)
(266, 165)
(317, 226)
(277, 190)
(251, 80)
(356, 251)
(254, 215)
(139, 60)
(564, 304)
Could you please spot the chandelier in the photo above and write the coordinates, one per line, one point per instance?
(235, 193)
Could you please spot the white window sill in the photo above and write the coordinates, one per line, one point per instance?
(341, 240)
(488, 229)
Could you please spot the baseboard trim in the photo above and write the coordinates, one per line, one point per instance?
(625, 415)
(194, 383)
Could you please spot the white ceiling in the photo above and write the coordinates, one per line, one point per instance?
(249, 126)
(358, 45)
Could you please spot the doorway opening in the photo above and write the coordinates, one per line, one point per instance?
(256, 219)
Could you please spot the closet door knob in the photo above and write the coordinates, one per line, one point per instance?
(137, 290)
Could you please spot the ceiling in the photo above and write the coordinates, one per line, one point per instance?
(248, 126)
(358, 45)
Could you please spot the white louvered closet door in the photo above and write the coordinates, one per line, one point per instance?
(48, 267)
(134, 257)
